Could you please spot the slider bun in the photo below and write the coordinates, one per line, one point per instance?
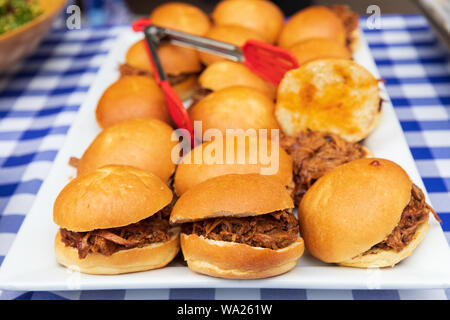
(319, 48)
(236, 260)
(235, 108)
(260, 16)
(232, 34)
(224, 74)
(175, 60)
(232, 195)
(334, 95)
(379, 258)
(312, 22)
(142, 143)
(181, 16)
(189, 173)
(352, 208)
(153, 256)
(131, 97)
(110, 197)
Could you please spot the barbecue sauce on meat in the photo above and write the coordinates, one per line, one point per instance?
(274, 230)
(108, 241)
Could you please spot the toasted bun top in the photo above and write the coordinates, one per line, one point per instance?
(142, 143)
(235, 108)
(233, 154)
(228, 33)
(319, 48)
(181, 16)
(312, 22)
(238, 195)
(224, 74)
(112, 196)
(261, 16)
(175, 60)
(335, 95)
(131, 97)
(353, 207)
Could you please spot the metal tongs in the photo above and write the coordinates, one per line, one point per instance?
(268, 61)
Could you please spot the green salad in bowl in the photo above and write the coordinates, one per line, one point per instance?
(14, 13)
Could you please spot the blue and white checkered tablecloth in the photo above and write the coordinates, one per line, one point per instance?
(40, 97)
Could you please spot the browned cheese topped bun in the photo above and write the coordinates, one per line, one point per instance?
(115, 220)
(142, 143)
(366, 213)
(238, 226)
(261, 16)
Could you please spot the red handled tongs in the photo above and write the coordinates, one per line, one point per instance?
(268, 61)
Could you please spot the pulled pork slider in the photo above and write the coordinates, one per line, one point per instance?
(319, 48)
(115, 220)
(235, 108)
(238, 226)
(238, 154)
(260, 16)
(366, 213)
(316, 153)
(233, 34)
(131, 97)
(224, 74)
(312, 22)
(330, 95)
(350, 20)
(142, 143)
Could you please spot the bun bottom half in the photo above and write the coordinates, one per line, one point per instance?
(186, 88)
(153, 256)
(380, 258)
(236, 260)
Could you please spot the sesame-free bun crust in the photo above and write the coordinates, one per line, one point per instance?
(319, 48)
(312, 22)
(109, 197)
(380, 258)
(190, 173)
(228, 33)
(224, 74)
(142, 143)
(181, 16)
(334, 95)
(235, 108)
(237, 261)
(260, 16)
(352, 208)
(237, 195)
(131, 97)
(153, 256)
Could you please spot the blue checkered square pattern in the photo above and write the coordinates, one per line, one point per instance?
(40, 97)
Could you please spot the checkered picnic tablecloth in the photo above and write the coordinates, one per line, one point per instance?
(40, 97)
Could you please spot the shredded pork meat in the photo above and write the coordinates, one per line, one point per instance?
(199, 94)
(349, 19)
(128, 70)
(315, 154)
(108, 241)
(274, 230)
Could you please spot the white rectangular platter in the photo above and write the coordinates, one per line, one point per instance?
(31, 263)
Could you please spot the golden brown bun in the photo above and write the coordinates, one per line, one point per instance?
(236, 260)
(153, 256)
(190, 173)
(260, 16)
(110, 197)
(380, 258)
(319, 48)
(335, 95)
(312, 22)
(232, 34)
(131, 97)
(181, 16)
(237, 195)
(235, 108)
(175, 60)
(224, 74)
(142, 143)
(352, 208)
